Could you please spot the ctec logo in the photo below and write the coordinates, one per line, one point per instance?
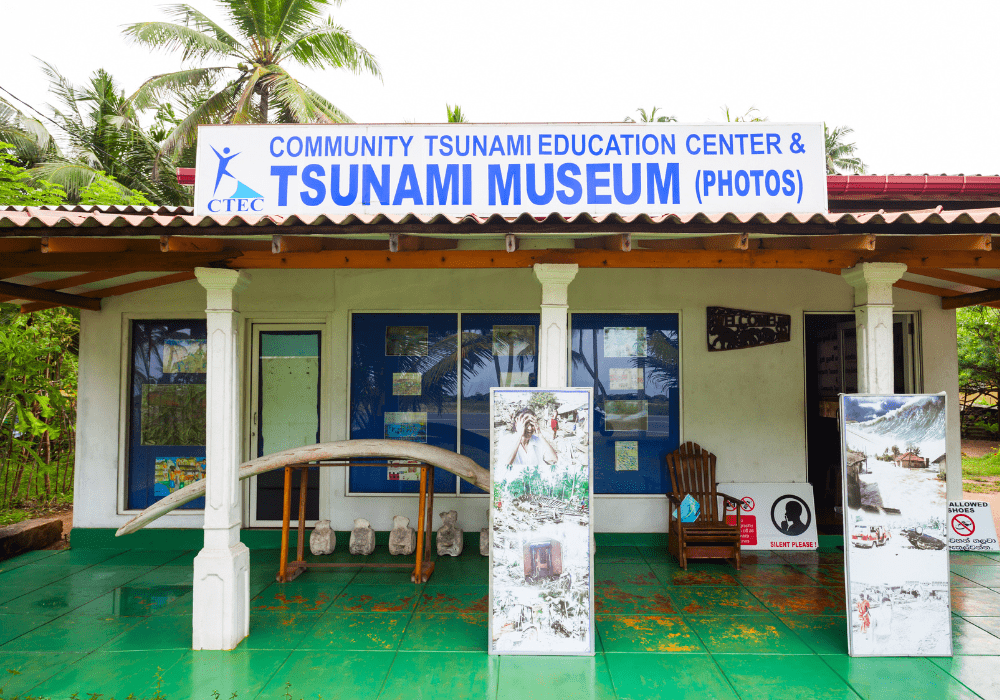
(243, 198)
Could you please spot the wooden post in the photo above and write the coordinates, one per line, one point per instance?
(430, 519)
(286, 515)
(303, 487)
(416, 578)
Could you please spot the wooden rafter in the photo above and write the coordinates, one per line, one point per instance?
(941, 242)
(956, 277)
(960, 301)
(121, 262)
(925, 288)
(118, 290)
(865, 241)
(54, 298)
(67, 282)
(51, 245)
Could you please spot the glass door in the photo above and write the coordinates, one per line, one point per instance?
(286, 413)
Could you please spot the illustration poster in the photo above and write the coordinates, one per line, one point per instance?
(174, 473)
(513, 340)
(406, 425)
(625, 342)
(406, 383)
(406, 341)
(627, 456)
(895, 525)
(185, 356)
(626, 378)
(515, 379)
(625, 415)
(541, 559)
(172, 414)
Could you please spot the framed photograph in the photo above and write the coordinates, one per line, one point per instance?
(406, 425)
(895, 524)
(625, 342)
(625, 415)
(541, 558)
(406, 341)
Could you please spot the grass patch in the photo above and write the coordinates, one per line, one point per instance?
(13, 516)
(981, 474)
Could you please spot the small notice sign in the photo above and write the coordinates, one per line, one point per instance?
(774, 516)
(971, 527)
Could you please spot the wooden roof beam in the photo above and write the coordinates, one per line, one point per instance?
(21, 291)
(975, 299)
(67, 282)
(98, 294)
(54, 244)
(726, 241)
(935, 242)
(864, 241)
(122, 263)
(956, 277)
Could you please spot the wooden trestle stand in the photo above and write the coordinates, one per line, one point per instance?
(424, 565)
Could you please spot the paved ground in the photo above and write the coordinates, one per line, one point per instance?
(111, 622)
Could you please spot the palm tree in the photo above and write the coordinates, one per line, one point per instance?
(31, 141)
(251, 73)
(650, 117)
(455, 114)
(841, 155)
(749, 116)
(105, 145)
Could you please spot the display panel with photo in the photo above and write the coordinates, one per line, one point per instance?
(625, 342)
(406, 341)
(895, 525)
(541, 560)
(185, 356)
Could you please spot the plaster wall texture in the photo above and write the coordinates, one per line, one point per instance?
(747, 406)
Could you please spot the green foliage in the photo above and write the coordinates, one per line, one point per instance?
(650, 117)
(107, 190)
(455, 114)
(839, 154)
(249, 71)
(978, 349)
(16, 186)
(38, 372)
(751, 115)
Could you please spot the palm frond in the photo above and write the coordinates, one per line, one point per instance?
(241, 113)
(330, 46)
(73, 177)
(250, 17)
(211, 111)
(301, 103)
(172, 37)
(153, 90)
(295, 16)
(188, 15)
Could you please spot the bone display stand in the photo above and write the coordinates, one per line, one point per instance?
(403, 538)
(322, 540)
(449, 535)
(362, 538)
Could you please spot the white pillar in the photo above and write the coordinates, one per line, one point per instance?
(553, 340)
(872, 284)
(221, 616)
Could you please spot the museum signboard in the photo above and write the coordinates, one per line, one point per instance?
(774, 516)
(509, 169)
(895, 525)
(541, 543)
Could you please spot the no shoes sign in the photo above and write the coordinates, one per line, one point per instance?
(971, 527)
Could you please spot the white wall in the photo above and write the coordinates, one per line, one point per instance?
(747, 406)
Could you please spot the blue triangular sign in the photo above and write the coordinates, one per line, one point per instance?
(244, 192)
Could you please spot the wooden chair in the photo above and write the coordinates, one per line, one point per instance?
(692, 472)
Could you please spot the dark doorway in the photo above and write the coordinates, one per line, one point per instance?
(832, 369)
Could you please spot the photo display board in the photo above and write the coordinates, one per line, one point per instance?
(895, 525)
(541, 553)
(632, 364)
(403, 387)
(166, 410)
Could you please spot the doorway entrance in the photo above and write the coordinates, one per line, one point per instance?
(286, 413)
(832, 368)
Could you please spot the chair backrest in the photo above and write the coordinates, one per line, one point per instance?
(692, 471)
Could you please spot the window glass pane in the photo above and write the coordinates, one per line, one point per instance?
(166, 410)
(404, 386)
(288, 415)
(498, 350)
(631, 361)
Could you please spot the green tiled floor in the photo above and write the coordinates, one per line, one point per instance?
(114, 623)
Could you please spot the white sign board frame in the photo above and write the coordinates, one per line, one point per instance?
(784, 515)
(971, 527)
(509, 169)
(538, 542)
(896, 568)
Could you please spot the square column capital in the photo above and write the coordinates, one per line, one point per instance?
(873, 282)
(222, 286)
(555, 279)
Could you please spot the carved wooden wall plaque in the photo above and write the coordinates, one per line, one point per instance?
(732, 329)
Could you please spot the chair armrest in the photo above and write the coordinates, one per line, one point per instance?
(674, 498)
(736, 502)
(729, 498)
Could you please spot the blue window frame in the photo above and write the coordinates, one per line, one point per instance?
(166, 433)
(632, 362)
(404, 385)
(498, 350)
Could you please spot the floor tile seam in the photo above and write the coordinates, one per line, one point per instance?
(277, 668)
(388, 672)
(726, 678)
(59, 668)
(973, 623)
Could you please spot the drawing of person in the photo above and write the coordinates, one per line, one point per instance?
(554, 424)
(526, 445)
(792, 525)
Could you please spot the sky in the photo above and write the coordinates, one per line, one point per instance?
(915, 80)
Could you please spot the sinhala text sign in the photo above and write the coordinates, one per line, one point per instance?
(895, 525)
(971, 527)
(510, 169)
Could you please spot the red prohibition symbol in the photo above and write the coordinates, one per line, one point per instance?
(748, 503)
(963, 525)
